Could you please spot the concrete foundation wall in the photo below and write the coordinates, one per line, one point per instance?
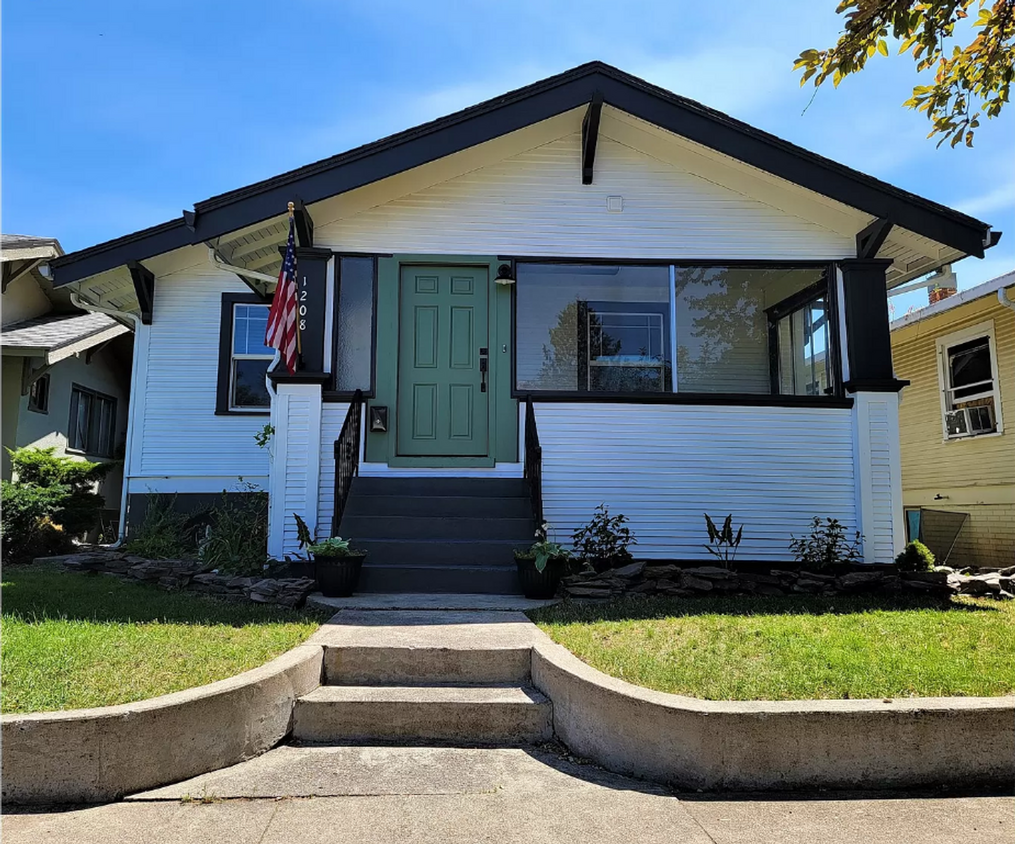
(95, 755)
(775, 745)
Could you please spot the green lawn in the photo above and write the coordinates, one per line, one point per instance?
(73, 640)
(795, 648)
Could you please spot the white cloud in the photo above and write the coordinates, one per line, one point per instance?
(1001, 197)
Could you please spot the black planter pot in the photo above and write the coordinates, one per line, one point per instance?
(338, 576)
(540, 584)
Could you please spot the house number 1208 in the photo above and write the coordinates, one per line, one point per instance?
(303, 307)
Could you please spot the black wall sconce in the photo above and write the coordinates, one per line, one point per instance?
(378, 419)
(505, 274)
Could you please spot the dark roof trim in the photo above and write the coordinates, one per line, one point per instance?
(572, 89)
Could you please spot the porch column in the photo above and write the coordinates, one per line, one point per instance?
(875, 390)
(295, 460)
(312, 297)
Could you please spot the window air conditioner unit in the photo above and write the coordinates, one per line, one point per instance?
(970, 421)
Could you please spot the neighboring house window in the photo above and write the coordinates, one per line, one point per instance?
(92, 422)
(354, 325)
(243, 357)
(38, 394)
(697, 329)
(967, 369)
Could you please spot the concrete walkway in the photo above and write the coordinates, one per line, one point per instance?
(390, 794)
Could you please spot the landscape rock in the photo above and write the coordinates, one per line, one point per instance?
(630, 571)
(859, 580)
(711, 572)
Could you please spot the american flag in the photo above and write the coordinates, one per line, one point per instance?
(281, 333)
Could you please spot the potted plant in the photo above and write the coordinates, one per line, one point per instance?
(337, 566)
(542, 565)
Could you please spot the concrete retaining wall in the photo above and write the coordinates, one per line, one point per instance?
(775, 745)
(94, 755)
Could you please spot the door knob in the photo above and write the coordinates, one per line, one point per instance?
(484, 360)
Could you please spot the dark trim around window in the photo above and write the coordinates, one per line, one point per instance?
(225, 352)
(41, 406)
(826, 287)
(78, 388)
(330, 393)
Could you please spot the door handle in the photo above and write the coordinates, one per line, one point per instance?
(484, 359)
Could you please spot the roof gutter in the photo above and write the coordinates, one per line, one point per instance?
(131, 402)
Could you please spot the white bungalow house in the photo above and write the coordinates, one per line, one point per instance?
(685, 314)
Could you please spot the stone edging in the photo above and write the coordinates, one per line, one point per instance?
(774, 745)
(96, 755)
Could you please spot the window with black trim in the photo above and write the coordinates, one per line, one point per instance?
(243, 357)
(92, 427)
(658, 328)
(354, 324)
(802, 337)
(38, 394)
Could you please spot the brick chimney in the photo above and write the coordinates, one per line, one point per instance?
(936, 294)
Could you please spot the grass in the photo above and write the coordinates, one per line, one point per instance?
(73, 640)
(795, 648)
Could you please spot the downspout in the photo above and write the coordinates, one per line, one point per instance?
(1002, 297)
(131, 404)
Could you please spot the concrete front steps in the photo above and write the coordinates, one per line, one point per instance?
(425, 683)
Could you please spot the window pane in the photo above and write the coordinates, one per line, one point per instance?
(354, 358)
(722, 329)
(249, 389)
(593, 328)
(250, 323)
(804, 361)
(969, 368)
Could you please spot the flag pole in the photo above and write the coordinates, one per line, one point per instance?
(299, 333)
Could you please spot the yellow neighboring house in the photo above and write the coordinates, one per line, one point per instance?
(957, 422)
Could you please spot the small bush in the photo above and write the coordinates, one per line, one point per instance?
(26, 530)
(603, 543)
(80, 505)
(915, 557)
(163, 533)
(723, 544)
(236, 540)
(826, 547)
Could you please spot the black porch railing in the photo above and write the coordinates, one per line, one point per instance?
(533, 463)
(347, 457)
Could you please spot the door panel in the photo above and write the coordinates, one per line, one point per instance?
(443, 323)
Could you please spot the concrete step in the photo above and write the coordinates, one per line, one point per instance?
(439, 528)
(485, 506)
(466, 487)
(408, 665)
(415, 577)
(458, 715)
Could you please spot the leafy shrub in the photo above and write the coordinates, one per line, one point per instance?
(25, 530)
(51, 500)
(603, 543)
(236, 540)
(79, 505)
(915, 557)
(334, 546)
(722, 543)
(826, 546)
(163, 533)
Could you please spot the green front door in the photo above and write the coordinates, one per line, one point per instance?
(443, 340)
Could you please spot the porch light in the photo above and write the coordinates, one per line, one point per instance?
(504, 275)
(378, 419)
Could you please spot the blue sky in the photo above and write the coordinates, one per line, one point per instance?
(118, 115)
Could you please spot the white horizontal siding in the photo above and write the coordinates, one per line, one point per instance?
(332, 419)
(534, 203)
(180, 433)
(664, 466)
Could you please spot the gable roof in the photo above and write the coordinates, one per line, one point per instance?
(574, 88)
(56, 336)
(988, 288)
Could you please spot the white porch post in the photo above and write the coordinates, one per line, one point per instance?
(878, 475)
(295, 467)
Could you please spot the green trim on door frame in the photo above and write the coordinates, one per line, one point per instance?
(380, 448)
